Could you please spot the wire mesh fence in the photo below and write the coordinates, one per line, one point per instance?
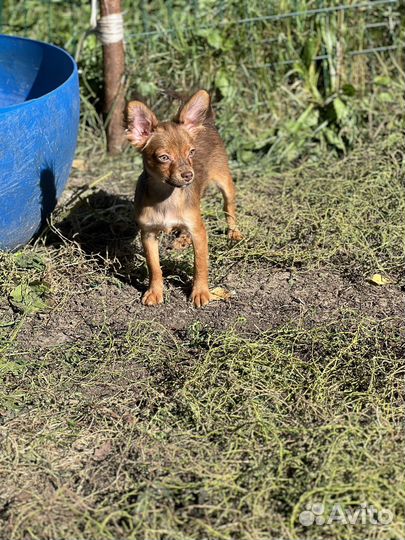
(372, 25)
(262, 60)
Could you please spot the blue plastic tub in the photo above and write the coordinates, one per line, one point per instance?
(39, 121)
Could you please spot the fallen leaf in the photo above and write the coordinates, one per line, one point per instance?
(219, 294)
(378, 279)
(29, 261)
(79, 164)
(102, 451)
(30, 297)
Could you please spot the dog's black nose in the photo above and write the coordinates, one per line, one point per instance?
(187, 176)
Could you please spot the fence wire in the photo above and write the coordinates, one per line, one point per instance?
(380, 20)
(234, 47)
(283, 74)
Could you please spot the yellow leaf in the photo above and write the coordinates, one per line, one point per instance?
(378, 279)
(220, 294)
(79, 164)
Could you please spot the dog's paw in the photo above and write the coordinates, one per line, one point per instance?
(152, 297)
(235, 235)
(182, 242)
(200, 297)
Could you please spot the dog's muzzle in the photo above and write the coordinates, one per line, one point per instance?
(185, 180)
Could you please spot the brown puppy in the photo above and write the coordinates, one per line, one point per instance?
(179, 158)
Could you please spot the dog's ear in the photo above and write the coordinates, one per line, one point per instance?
(196, 111)
(141, 123)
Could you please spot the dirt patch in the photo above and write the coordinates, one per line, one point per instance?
(264, 299)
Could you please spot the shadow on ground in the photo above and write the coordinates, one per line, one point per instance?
(103, 225)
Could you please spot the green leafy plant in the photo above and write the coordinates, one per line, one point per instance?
(30, 297)
(282, 86)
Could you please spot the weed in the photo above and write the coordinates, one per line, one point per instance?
(285, 86)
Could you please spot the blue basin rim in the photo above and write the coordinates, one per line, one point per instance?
(39, 121)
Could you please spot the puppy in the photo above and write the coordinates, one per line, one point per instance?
(180, 158)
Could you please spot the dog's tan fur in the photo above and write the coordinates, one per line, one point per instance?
(180, 158)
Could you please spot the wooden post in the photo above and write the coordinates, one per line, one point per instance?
(114, 71)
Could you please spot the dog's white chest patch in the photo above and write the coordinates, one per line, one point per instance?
(167, 222)
(164, 216)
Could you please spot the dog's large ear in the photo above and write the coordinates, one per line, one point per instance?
(196, 111)
(141, 123)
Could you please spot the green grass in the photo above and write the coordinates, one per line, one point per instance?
(346, 214)
(124, 422)
(284, 110)
(225, 437)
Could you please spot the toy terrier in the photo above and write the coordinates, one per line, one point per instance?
(180, 158)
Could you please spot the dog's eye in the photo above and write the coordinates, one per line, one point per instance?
(163, 158)
(192, 152)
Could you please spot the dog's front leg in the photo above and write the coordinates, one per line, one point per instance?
(200, 295)
(154, 295)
